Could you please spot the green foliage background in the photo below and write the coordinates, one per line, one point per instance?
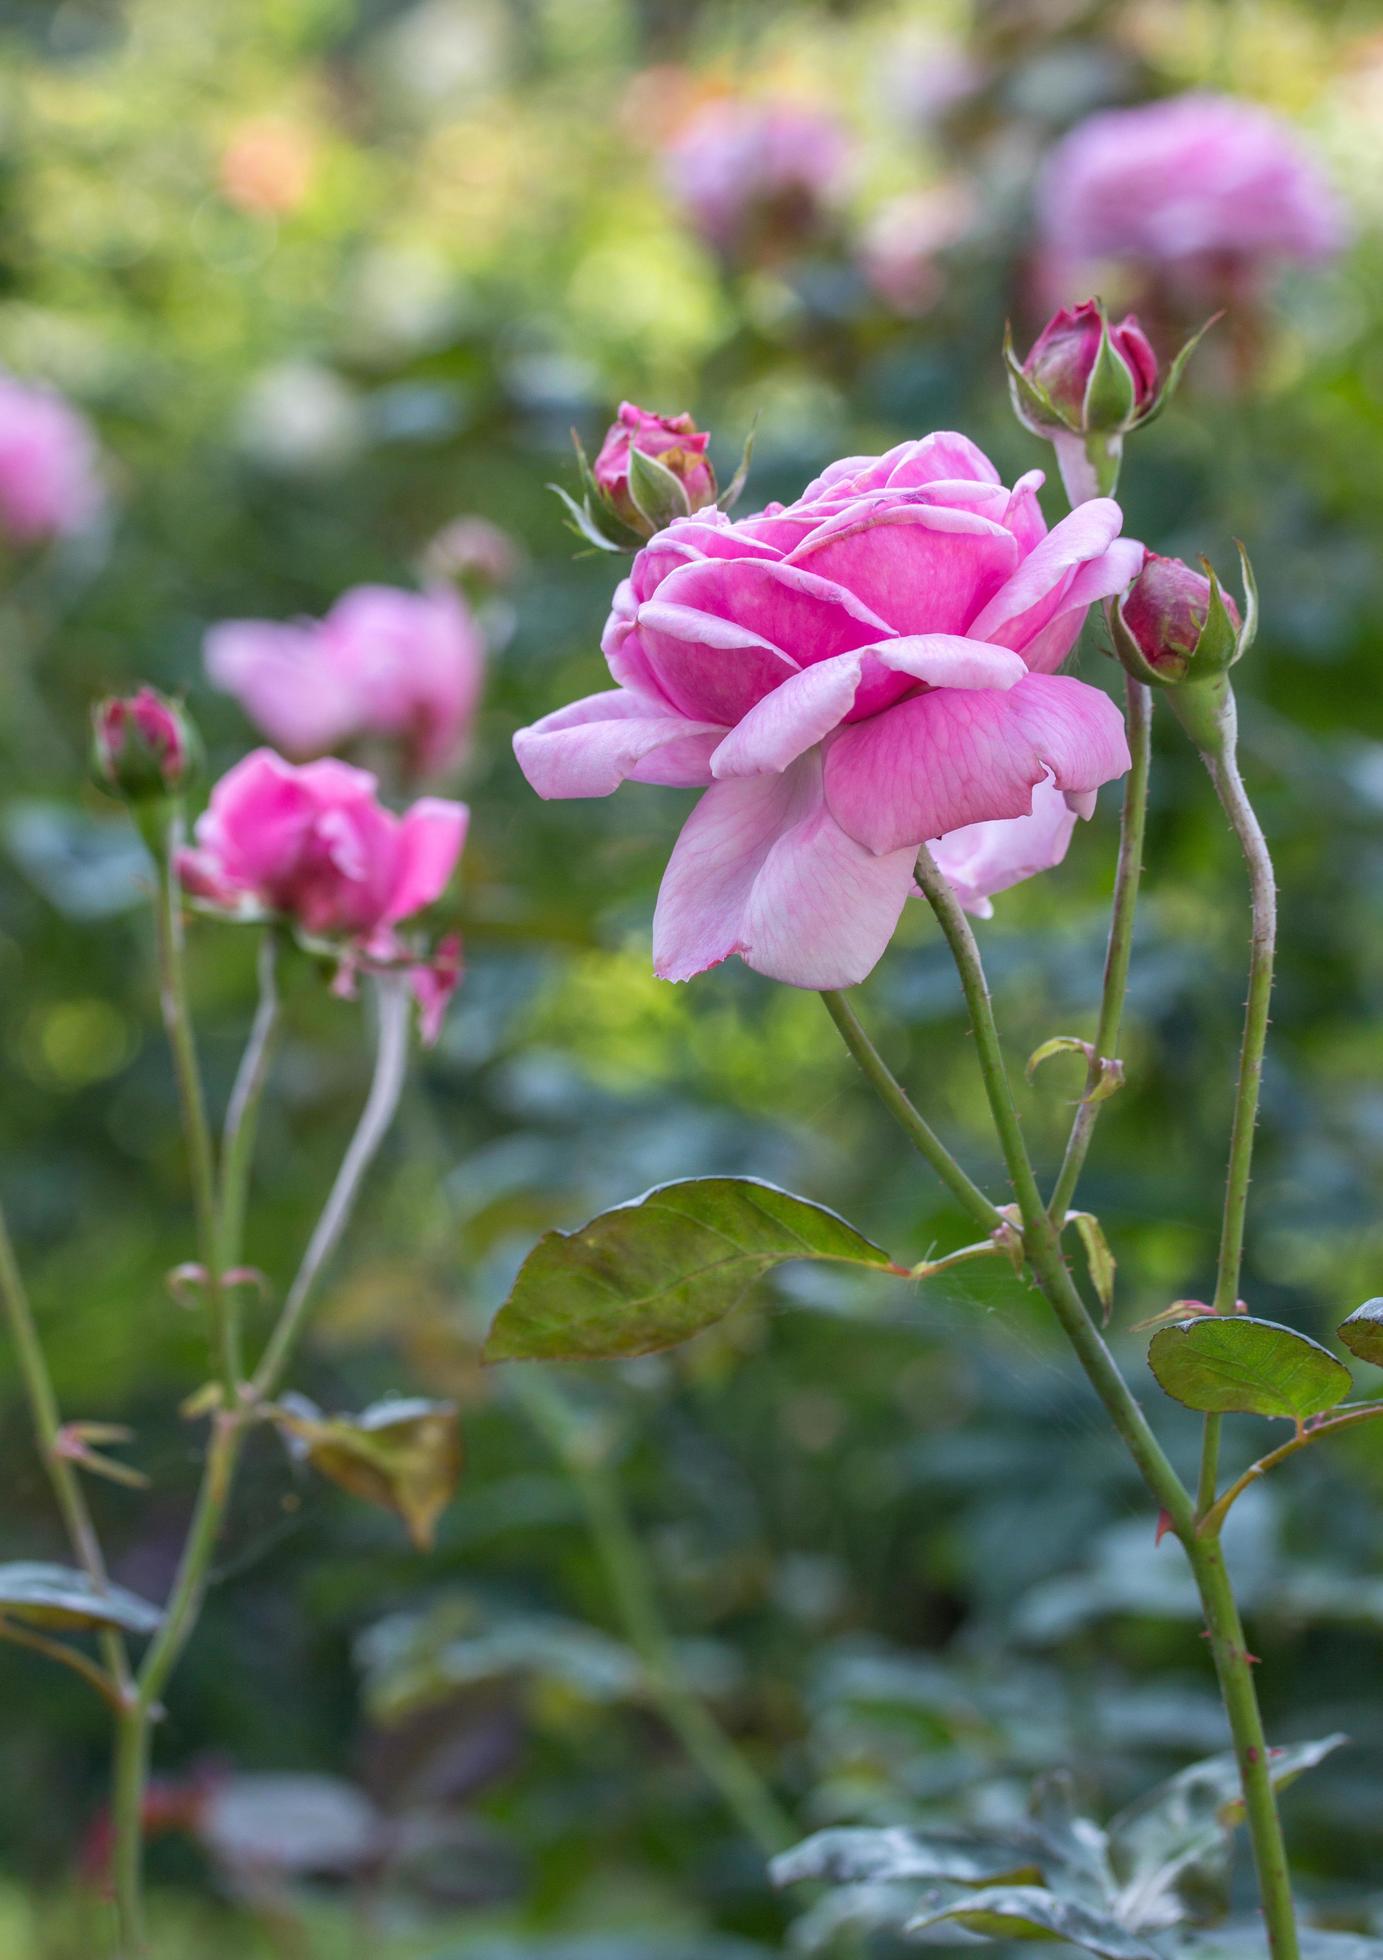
(910, 1563)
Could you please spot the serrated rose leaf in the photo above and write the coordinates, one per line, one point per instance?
(1232, 1364)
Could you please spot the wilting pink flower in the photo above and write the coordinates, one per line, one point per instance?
(49, 481)
(756, 173)
(1165, 611)
(315, 845)
(849, 676)
(383, 662)
(982, 859)
(142, 744)
(1195, 181)
(674, 440)
(900, 245)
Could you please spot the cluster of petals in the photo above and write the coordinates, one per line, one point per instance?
(740, 165)
(847, 677)
(384, 662)
(1196, 178)
(50, 484)
(314, 845)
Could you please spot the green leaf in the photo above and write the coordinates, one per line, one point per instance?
(1171, 1848)
(1362, 1333)
(402, 1455)
(1234, 1365)
(58, 1596)
(1027, 1912)
(1098, 1257)
(655, 492)
(663, 1267)
(861, 1856)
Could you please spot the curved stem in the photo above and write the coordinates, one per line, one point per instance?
(1207, 1561)
(1223, 768)
(242, 1111)
(391, 1063)
(626, 1568)
(1214, 1518)
(201, 1160)
(910, 1120)
(1132, 827)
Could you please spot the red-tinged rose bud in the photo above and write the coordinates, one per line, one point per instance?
(144, 746)
(1089, 394)
(1166, 611)
(653, 468)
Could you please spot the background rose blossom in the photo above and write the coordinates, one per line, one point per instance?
(847, 676)
(747, 171)
(383, 662)
(49, 477)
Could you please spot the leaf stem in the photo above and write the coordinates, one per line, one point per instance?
(1119, 952)
(1348, 1418)
(741, 1788)
(909, 1119)
(242, 1111)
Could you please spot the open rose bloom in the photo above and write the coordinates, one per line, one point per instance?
(314, 845)
(846, 677)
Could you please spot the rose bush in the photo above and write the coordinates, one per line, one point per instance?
(847, 677)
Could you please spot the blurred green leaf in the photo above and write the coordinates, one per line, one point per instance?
(663, 1267)
(1362, 1333)
(1026, 1912)
(402, 1455)
(57, 1596)
(1230, 1364)
(863, 1856)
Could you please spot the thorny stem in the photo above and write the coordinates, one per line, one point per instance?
(1229, 787)
(626, 1569)
(242, 1111)
(910, 1120)
(201, 1159)
(1132, 825)
(1206, 1556)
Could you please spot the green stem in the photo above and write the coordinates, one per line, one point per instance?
(1223, 768)
(1049, 1269)
(1213, 1518)
(1235, 1671)
(381, 1105)
(914, 1125)
(190, 1581)
(1119, 952)
(242, 1111)
(201, 1161)
(130, 1773)
(626, 1568)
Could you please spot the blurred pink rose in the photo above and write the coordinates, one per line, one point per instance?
(674, 440)
(49, 481)
(847, 677)
(1192, 183)
(407, 665)
(901, 242)
(983, 859)
(472, 549)
(753, 174)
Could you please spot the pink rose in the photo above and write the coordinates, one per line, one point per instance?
(849, 676)
(473, 550)
(1194, 180)
(756, 174)
(315, 845)
(677, 444)
(49, 481)
(983, 859)
(1063, 359)
(383, 662)
(901, 243)
(143, 745)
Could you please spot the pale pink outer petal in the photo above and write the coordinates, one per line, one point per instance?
(592, 746)
(762, 869)
(282, 677)
(1035, 593)
(984, 858)
(954, 757)
(950, 660)
(431, 837)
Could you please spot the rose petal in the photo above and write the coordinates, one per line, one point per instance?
(592, 746)
(984, 858)
(709, 668)
(762, 869)
(923, 567)
(430, 840)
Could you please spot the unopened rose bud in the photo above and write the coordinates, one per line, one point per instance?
(653, 468)
(1179, 629)
(144, 747)
(1097, 377)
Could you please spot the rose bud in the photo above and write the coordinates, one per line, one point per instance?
(1178, 628)
(653, 468)
(144, 746)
